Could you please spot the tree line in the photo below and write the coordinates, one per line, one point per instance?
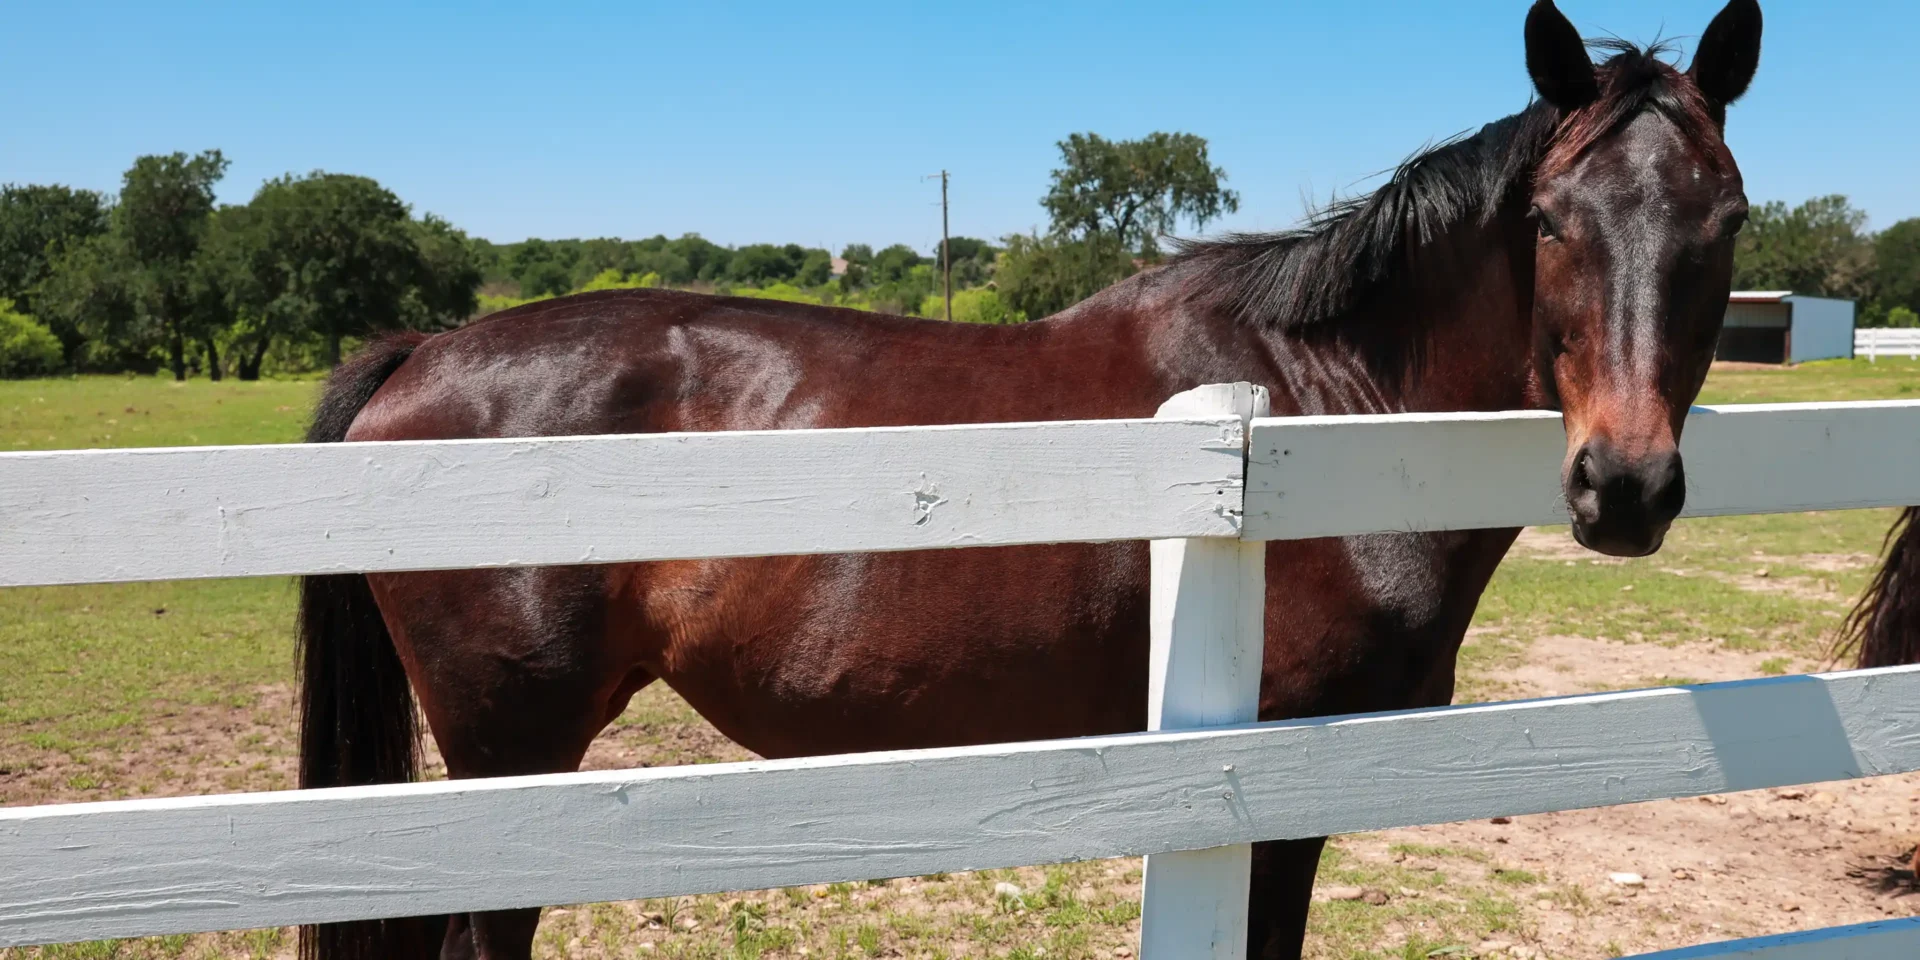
(1109, 204)
(160, 276)
(896, 279)
(1822, 247)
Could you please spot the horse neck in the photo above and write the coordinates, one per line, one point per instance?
(1454, 333)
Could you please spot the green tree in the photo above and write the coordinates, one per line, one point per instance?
(492, 259)
(332, 256)
(893, 265)
(966, 248)
(601, 254)
(227, 283)
(669, 265)
(447, 276)
(542, 268)
(972, 261)
(1896, 270)
(91, 302)
(761, 264)
(706, 261)
(1041, 276)
(38, 224)
(1819, 248)
(165, 201)
(859, 258)
(1131, 192)
(899, 280)
(816, 269)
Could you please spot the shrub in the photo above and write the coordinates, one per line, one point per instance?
(1041, 276)
(979, 305)
(777, 291)
(615, 280)
(27, 347)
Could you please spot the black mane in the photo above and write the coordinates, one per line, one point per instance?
(1324, 268)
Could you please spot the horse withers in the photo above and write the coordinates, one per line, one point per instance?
(1574, 256)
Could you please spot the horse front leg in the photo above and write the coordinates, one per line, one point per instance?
(1281, 892)
(516, 673)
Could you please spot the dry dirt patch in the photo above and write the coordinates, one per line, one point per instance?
(1558, 666)
(1712, 868)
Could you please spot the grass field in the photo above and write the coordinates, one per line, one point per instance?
(154, 689)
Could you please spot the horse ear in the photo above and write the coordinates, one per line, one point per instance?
(1557, 59)
(1729, 53)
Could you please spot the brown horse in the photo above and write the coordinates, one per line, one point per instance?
(1883, 630)
(1574, 256)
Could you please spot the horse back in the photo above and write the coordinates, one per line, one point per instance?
(644, 361)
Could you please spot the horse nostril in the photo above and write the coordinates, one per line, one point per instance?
(1667, 491)
(1583, 470)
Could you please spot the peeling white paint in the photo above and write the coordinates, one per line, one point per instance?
(181, 513)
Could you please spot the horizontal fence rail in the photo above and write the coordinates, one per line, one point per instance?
(1873, 342)
(182, 513)
(216, 863)
(1885, 940)
(158, 514)
(1336, 476)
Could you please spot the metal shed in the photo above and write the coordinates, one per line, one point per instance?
(1779, 326)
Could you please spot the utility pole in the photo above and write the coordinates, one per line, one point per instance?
(946, 244)
(947, 254)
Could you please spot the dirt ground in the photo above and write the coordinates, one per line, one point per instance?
(1712, 868)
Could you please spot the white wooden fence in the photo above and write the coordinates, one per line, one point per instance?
(1874, 342)
(1207, 481)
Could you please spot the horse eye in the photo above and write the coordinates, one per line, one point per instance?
(1544, 221)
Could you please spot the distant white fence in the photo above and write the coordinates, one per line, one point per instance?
(1207, 481)
(1876, 342)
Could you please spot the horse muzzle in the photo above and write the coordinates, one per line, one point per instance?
(1623, 506)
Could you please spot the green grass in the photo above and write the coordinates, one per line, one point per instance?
(1428, 911)
(1702, 586)
(87, 667)
(1889, 379)
(1658, 599)
(83, 663)
(97, 411)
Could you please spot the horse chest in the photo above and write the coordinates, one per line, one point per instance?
(1373, 622)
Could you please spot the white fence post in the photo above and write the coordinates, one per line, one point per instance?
(1208, 609)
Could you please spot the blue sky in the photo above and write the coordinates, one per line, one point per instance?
(814, 122)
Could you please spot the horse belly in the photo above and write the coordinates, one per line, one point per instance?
(797, 656)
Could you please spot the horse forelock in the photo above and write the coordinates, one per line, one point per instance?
(1632, 82)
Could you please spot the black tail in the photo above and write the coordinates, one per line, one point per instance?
(1884, 627)
(356, 711)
